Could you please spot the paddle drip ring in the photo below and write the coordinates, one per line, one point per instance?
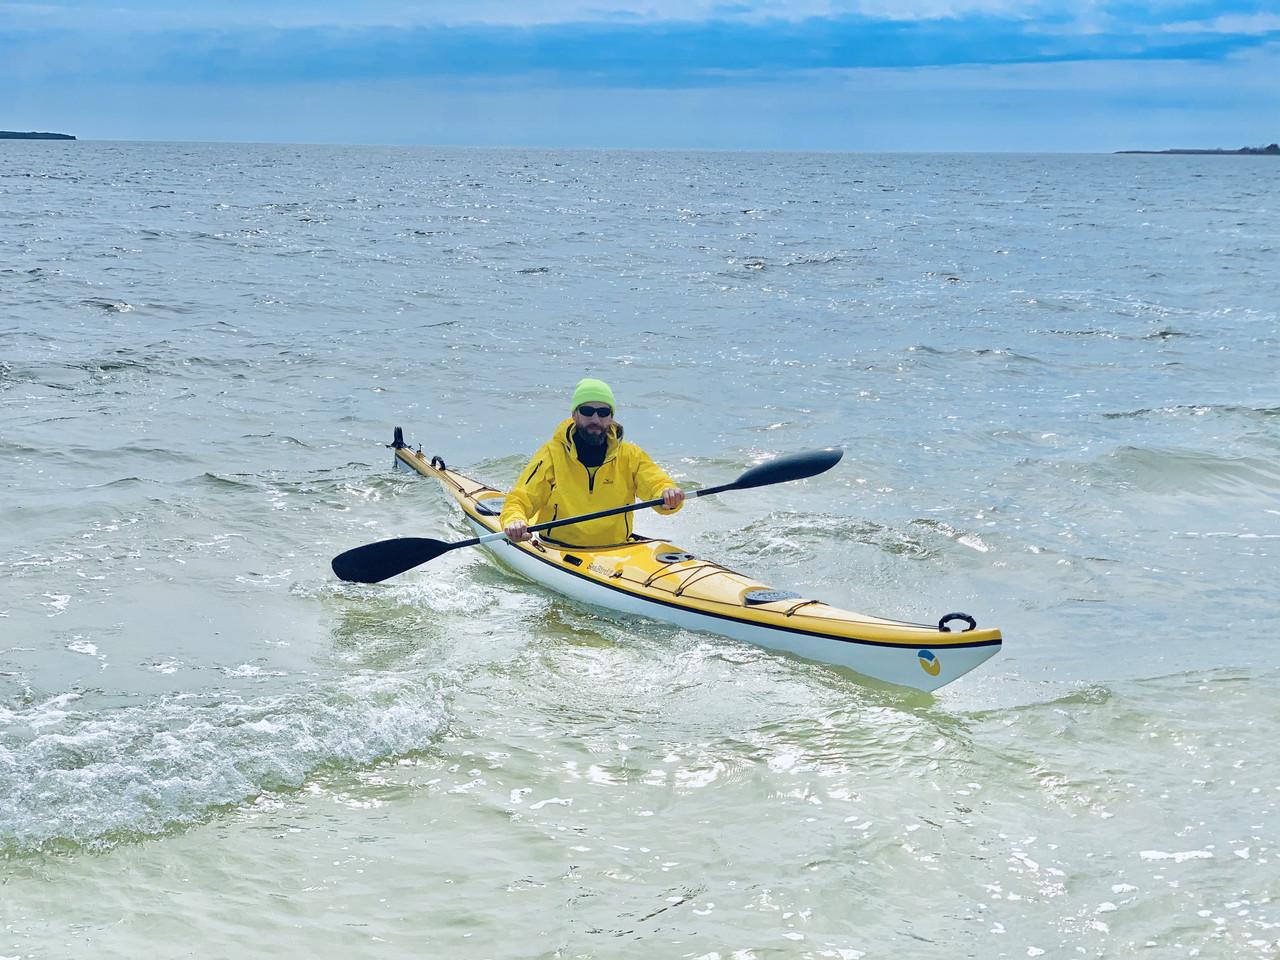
(942, 624)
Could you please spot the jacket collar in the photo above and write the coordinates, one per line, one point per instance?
(564, 433)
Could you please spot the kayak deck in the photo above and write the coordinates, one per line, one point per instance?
(656, 579)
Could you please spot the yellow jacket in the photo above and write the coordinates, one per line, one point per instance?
(556, 484)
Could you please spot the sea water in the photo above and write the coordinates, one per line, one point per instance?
(1056, 382)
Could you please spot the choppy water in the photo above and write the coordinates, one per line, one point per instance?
(1056, 380)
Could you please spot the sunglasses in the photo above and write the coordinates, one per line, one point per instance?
(601, 412)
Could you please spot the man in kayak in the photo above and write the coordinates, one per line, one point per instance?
(586, 466)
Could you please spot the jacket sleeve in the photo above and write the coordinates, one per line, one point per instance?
(651, 479)
(532, 490)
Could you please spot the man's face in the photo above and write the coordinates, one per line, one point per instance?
(590, 422)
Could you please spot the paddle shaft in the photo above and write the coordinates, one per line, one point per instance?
(500, 535)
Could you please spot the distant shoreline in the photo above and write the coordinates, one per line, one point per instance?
(1271, 150)
(32, 135)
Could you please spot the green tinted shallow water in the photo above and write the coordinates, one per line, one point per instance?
(1054, 377)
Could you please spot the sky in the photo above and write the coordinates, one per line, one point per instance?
(859, 75)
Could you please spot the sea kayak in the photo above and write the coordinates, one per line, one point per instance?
(661, 581)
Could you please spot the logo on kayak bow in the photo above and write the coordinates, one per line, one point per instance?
(929, 663)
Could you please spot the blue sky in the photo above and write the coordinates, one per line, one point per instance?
(778, 74)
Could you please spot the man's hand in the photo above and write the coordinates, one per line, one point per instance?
(517, 531)
(672, 497)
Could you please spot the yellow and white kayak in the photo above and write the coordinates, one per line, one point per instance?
(655, 579)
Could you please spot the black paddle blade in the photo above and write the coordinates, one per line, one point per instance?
(794, 466)
(375, 562)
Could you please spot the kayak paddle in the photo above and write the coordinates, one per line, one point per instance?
(375, 562)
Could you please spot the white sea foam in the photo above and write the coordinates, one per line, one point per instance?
(91, 778)
(80, 645)
(1180, 857)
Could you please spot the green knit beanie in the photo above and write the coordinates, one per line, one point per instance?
(593, 391)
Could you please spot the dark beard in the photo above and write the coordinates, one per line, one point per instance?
(591, 449)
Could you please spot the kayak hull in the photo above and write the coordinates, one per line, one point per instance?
(655, 579)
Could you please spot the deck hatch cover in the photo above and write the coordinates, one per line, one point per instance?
(673, 556)
(768, 596)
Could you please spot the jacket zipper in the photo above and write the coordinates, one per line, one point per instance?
(591, 475)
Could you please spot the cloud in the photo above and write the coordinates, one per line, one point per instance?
(659, 54)
(1255, 24)
(162, 15)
